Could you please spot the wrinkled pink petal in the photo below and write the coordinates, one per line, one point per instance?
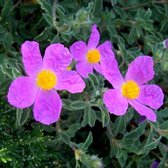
(57, 57)
(84, 68)
(70, 81)
(47, 107)
(115, 102)
(94, 38)
(141, 70)
(79, 50)
(143, 110)
(105, 50)
(32, 59)
(22, 92)
(97, 67)
(151, 95)
(112, 73)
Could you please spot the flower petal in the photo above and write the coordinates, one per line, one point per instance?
(79, 50)
(112, 73)
(70, 81)
(143, 110)
(84, 68)
(115, 102)
(32, 59)
(141, 70)
(57, 57)
(94, 38)
(47, 107)
(97, 67)
(22, 92)
(151, 95)
(105, 50)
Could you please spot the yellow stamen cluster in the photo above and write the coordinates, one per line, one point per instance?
(130, 89)
(93, 56)
(68, 68)
(46, 80)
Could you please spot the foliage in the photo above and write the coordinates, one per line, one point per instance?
(86, 135)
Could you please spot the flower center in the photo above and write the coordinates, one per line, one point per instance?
(93, 56)
(130, 89)
(68, 68)
(46, 80)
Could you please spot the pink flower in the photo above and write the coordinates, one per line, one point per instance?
(89, 56)
(43, 79)
(132, 89)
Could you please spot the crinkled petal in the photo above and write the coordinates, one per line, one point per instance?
(32, 59)
(106, 51)
(115, 102)
(97, 67)
(47, 107)
(151, 95)
(22, 92)
(57, 57)
(79, 50)
(84, 68)
(70, 81)
(112, 73)
(141, 70)
(94, 38)
(143, 110)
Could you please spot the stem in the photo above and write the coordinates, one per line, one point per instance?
(58, 128)
(109, 130)
(17, 3)
(145, 4)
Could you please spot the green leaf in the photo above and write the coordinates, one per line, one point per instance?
(105, 117)
(122, 157)
(46, 6)
(132, 37)
(122, 121)
(89, 117)
(48, 18)
(151, 144)
(94, 81)
(22, 116)
(7, 42)
(6, 11)
(73, 129)
(87, 142)
(98, 6)
(163, 113)
(78, 105)
(133, 135)
(60, 10)
(113, 2)
(65, 138)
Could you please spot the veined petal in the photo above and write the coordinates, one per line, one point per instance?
(94, 38)
(143, 110)
(47, 107)
(32, 59)
(57, 57)
(112, 73)
(106, 51)
(141, 70)
(22, 92)
(97, 67)
(79, 50)
(84, 68)
(70, 81)
(151, 95)
(115, 102)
